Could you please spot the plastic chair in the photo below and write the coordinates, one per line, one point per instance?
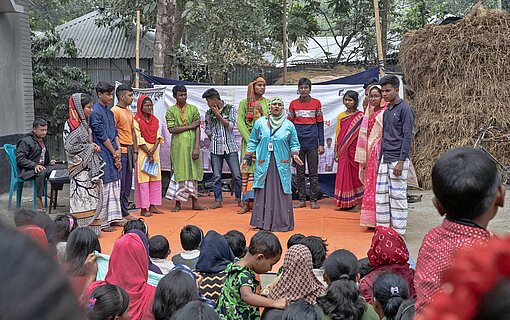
(17, 182)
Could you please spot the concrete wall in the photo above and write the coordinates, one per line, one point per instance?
(17, 102)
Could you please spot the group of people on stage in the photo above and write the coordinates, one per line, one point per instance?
(106, 147)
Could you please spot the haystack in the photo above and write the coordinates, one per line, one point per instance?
(459, 75)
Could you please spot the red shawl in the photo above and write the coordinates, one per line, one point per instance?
(129, 269)
(148, 128)
(251, 102)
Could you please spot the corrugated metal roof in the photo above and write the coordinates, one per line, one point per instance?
(102, 42)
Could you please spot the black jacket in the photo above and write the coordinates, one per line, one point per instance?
(28, 153)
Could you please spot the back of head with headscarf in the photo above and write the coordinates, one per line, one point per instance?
(215, 253)
(388, 247)
(298, 280)
(128, 269)
(145, 241)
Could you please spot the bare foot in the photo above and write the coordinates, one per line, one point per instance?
(145, 213)
(154, 210)
(356, 208)
(177, 207)
(215, 205)
(314, 205)
(196, 205)
(244, 209)
(130, 217)
(120, 223)
(240, 203)
(300, 204)
(109, 229)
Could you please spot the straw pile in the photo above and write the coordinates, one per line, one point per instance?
(459, 75)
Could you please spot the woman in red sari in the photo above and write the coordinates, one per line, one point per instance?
(368, 153)
(348, 187)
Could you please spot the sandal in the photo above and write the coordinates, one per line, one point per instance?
(109, 229)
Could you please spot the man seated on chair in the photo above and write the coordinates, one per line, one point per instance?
(33, 158)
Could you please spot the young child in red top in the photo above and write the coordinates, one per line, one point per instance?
(468, 192)
(306, 115)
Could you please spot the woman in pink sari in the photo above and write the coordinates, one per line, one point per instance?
(348, 187)
(368, 153)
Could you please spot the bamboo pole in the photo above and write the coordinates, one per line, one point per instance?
(285, 42)
(137, 56)
(380, 57)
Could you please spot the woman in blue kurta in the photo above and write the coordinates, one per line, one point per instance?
(274, 141)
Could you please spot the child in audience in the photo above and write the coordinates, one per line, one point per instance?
(390, 291)
(238, 298)
(468, 192)
(25, 217)
(138, 224)
(107, 302)
(343, 299)
(364, 267)
(196, 310)
(237, 242)
(302, 310)
(191, 237)
(81, 243)
(159, 250)
(478, 283)
(215, 257)
(318, 248)
(65, 223)
(174, 291)
(295, 239)
(388, 253)
(406, 310)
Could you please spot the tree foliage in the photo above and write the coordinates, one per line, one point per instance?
(54, 84)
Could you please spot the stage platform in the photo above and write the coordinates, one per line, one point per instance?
(340, 229)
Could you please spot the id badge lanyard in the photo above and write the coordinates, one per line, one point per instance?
(270, 146)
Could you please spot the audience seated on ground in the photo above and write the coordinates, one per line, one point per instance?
(318, 248)
(145, 241)
(196, 310)
(388, 253)
(32, 285)
(390, 291)
(159, 250)
(297, 280)
(174, 291)
(107, 302)
(302, 310)
(81, 243)
(364, 267)
(295, 239)
(215, 256)
(476, 286)
(239, 299)
(191, 238)
(65, 224)
(468, 192)
(23, 217)
(35, 234)
(138, 224)
(406, 310)
(129, 269)
(343, 299)
(237, 242)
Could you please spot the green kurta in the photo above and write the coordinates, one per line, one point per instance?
(181, 148)
(245, 126)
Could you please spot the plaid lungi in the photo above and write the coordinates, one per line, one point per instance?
(391, 197)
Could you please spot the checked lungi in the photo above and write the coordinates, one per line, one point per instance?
(391, 197)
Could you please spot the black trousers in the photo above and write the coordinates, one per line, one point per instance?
(310, 157)
(40, 178)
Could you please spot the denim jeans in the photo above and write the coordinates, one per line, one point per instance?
(233, 163)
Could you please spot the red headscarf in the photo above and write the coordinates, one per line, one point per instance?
(388, 247)
(129, 269)
(35, 233)
(148, 128)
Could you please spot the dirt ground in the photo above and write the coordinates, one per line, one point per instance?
(422, 216)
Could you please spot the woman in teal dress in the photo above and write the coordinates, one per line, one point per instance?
(274, 141)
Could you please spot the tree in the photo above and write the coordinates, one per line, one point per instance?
(46, 14)
(54, 84)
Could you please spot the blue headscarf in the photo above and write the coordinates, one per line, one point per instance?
(215, 253)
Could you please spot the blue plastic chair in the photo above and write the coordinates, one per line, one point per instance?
(17, 182)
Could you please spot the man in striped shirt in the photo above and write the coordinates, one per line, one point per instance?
(306, 114)
(220, 121)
